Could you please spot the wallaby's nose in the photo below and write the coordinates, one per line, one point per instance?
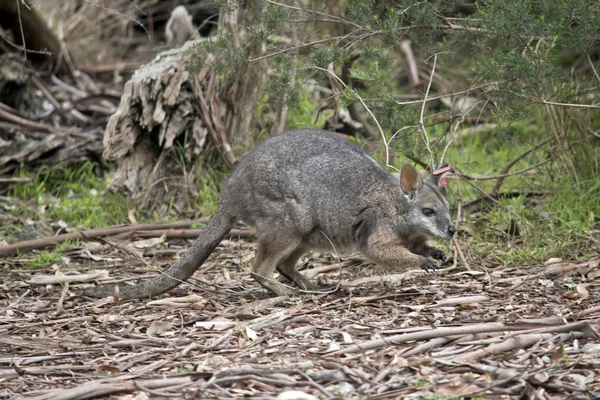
(451, 230)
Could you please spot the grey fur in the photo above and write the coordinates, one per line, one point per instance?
(308, 189)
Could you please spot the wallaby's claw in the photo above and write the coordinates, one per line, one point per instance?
(439, 255)
(428, 265)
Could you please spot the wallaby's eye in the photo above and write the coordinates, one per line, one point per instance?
(428, 212)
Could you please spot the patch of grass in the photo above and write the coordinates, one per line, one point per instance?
(303, 114)
(75, 195)
(43, 259)
(554, 224)
(210, 184)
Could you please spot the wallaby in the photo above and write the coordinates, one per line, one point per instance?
(308, 189)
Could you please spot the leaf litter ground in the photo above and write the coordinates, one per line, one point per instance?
(529, 332)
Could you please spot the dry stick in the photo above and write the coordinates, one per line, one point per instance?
(429, 345)
(588, 311)
(59, 305)
(333, 17)
(553, 103)
(284, 110)
(412, 64)
(593, 68)
(314, 384)
(459, 121)
(100, 388)
(455, 243)
(421, 120)
(463, 259)
(15, 180)
(425, 335)
(188, 233)
(385, 141)
(466, 177)
(510, 164)
(300, 46)
(202, 109)
(11, 250)
(442, 96)
(41, 85)
(25, 123)
(155, 392)
(354, 114)
(512, 343)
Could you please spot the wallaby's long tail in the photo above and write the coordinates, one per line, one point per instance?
(218, 226)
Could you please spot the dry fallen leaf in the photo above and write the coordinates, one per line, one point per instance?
(217, 324)
(347, 338)
(158, 327)
(131, 216)
(251, 334)
(107, 369)
(580, 293)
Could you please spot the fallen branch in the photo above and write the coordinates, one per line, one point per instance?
(52, 280)
(99, 388)
(13, 249)
(426, 335)
(187, 233)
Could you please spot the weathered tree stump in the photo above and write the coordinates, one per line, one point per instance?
(161, 103)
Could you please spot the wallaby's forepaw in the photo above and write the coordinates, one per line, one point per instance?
(428, 265)
(439, 255)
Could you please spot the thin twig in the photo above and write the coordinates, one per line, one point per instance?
(459, 121)
(489, 178)
(553, 103)
(460, 253)
(333, 17)
(21, 27)
(382, 134)
(406, 103)
(421, 120)
(593, 68)
(510, 164)
(298, 47)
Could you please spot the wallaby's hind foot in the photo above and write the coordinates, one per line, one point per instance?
(298, 279)
(287, 268)
(273, 286)
(272, 254)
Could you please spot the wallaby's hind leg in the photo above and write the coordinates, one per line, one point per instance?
(268, 255)
(287, 268)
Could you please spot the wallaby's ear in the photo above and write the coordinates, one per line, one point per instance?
(409, 180)
(436, 176)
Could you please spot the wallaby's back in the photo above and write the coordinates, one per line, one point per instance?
(307, 179)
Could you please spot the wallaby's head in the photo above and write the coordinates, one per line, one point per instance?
(428, 211)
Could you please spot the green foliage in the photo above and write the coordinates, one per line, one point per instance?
(47, 258)
(75, 195)
(210, 185)
(44, 259)
(523, 56)
(303, 114)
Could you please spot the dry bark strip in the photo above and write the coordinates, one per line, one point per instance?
(99, 388)
(583, 327)
(169, 229)
(13, 249)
